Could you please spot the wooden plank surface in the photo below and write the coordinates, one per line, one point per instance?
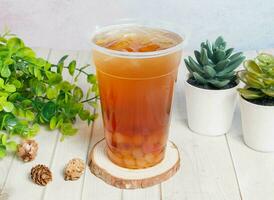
(211, 167)
(254, 169)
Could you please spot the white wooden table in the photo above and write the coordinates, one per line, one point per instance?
(212, 168)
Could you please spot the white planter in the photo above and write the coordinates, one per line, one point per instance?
(257, 125)
(210, 112)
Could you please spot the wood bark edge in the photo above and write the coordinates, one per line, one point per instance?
(130, 183)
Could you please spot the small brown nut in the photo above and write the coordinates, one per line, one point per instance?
(27, 150)
(74, 169)
(41, 175)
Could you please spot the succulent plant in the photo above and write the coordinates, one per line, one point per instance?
(215, 65)
(258, 77)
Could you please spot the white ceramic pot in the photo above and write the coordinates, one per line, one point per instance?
(210, 112)
(257, 125)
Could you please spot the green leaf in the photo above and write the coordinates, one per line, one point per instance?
(4, 139)
(11, 146)
(5, 71)
(220, 43)
(199, 78)
(195, 66)
(210, 72)
(204, 58)
(52, 92)
(250, 94)
(7, 106)
(63, 59)
(9, 88)
(197, 56)
(219, 83)
(84, 114)
(220, 55)
(65, 86)
(53, 122)
(190, 70)
(235, 56)
(40, 62)
(229, 75)
(60, 64)
(53, 78)
(228, 52)
(25, 52)
(94, 104)
(48, 111)
(67, 129)
(26, 102)
(37, 73)
(232, 65)
(60, 68)
(59, 123)
(38, 87)
(3, 152)
(91, 78)
(268, 92)
(29, 115)
(221, 65)
(208, 47)
(1, 83)
(16, 83)
(78, 93)
(3, 40)
(72, 66)
(14, 44)
(252, 67)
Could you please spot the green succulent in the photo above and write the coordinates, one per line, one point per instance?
(215, 64)
(258, 77)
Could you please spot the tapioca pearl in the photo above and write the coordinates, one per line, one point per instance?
(116, 152)
(137, 153)
(125, 152)
(141, 163)
(114, 158)
(157, 137)
(119, 138)
(129, 162)
(149, 158)
(158, 156)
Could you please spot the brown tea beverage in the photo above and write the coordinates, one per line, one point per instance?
(136, 69)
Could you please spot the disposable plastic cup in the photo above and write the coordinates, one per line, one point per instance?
(136, 90)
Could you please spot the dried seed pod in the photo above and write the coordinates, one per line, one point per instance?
(41, 175)
(74, 169)
(27, 150)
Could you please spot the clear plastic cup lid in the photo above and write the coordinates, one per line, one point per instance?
(121, 28)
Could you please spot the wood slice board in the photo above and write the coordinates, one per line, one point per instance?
(101, 166)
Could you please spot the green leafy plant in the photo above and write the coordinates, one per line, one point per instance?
(33, 92)
(215, 65)
(6, 145)
(258, 77)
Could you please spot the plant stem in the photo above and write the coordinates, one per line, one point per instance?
(95, 97)
(80, 70)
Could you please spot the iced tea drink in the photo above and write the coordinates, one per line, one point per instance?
(136, 68)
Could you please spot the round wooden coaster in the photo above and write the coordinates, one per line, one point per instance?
(120, 177)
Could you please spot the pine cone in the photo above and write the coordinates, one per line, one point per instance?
(74, 169)
(41, 175)
(27, 150)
